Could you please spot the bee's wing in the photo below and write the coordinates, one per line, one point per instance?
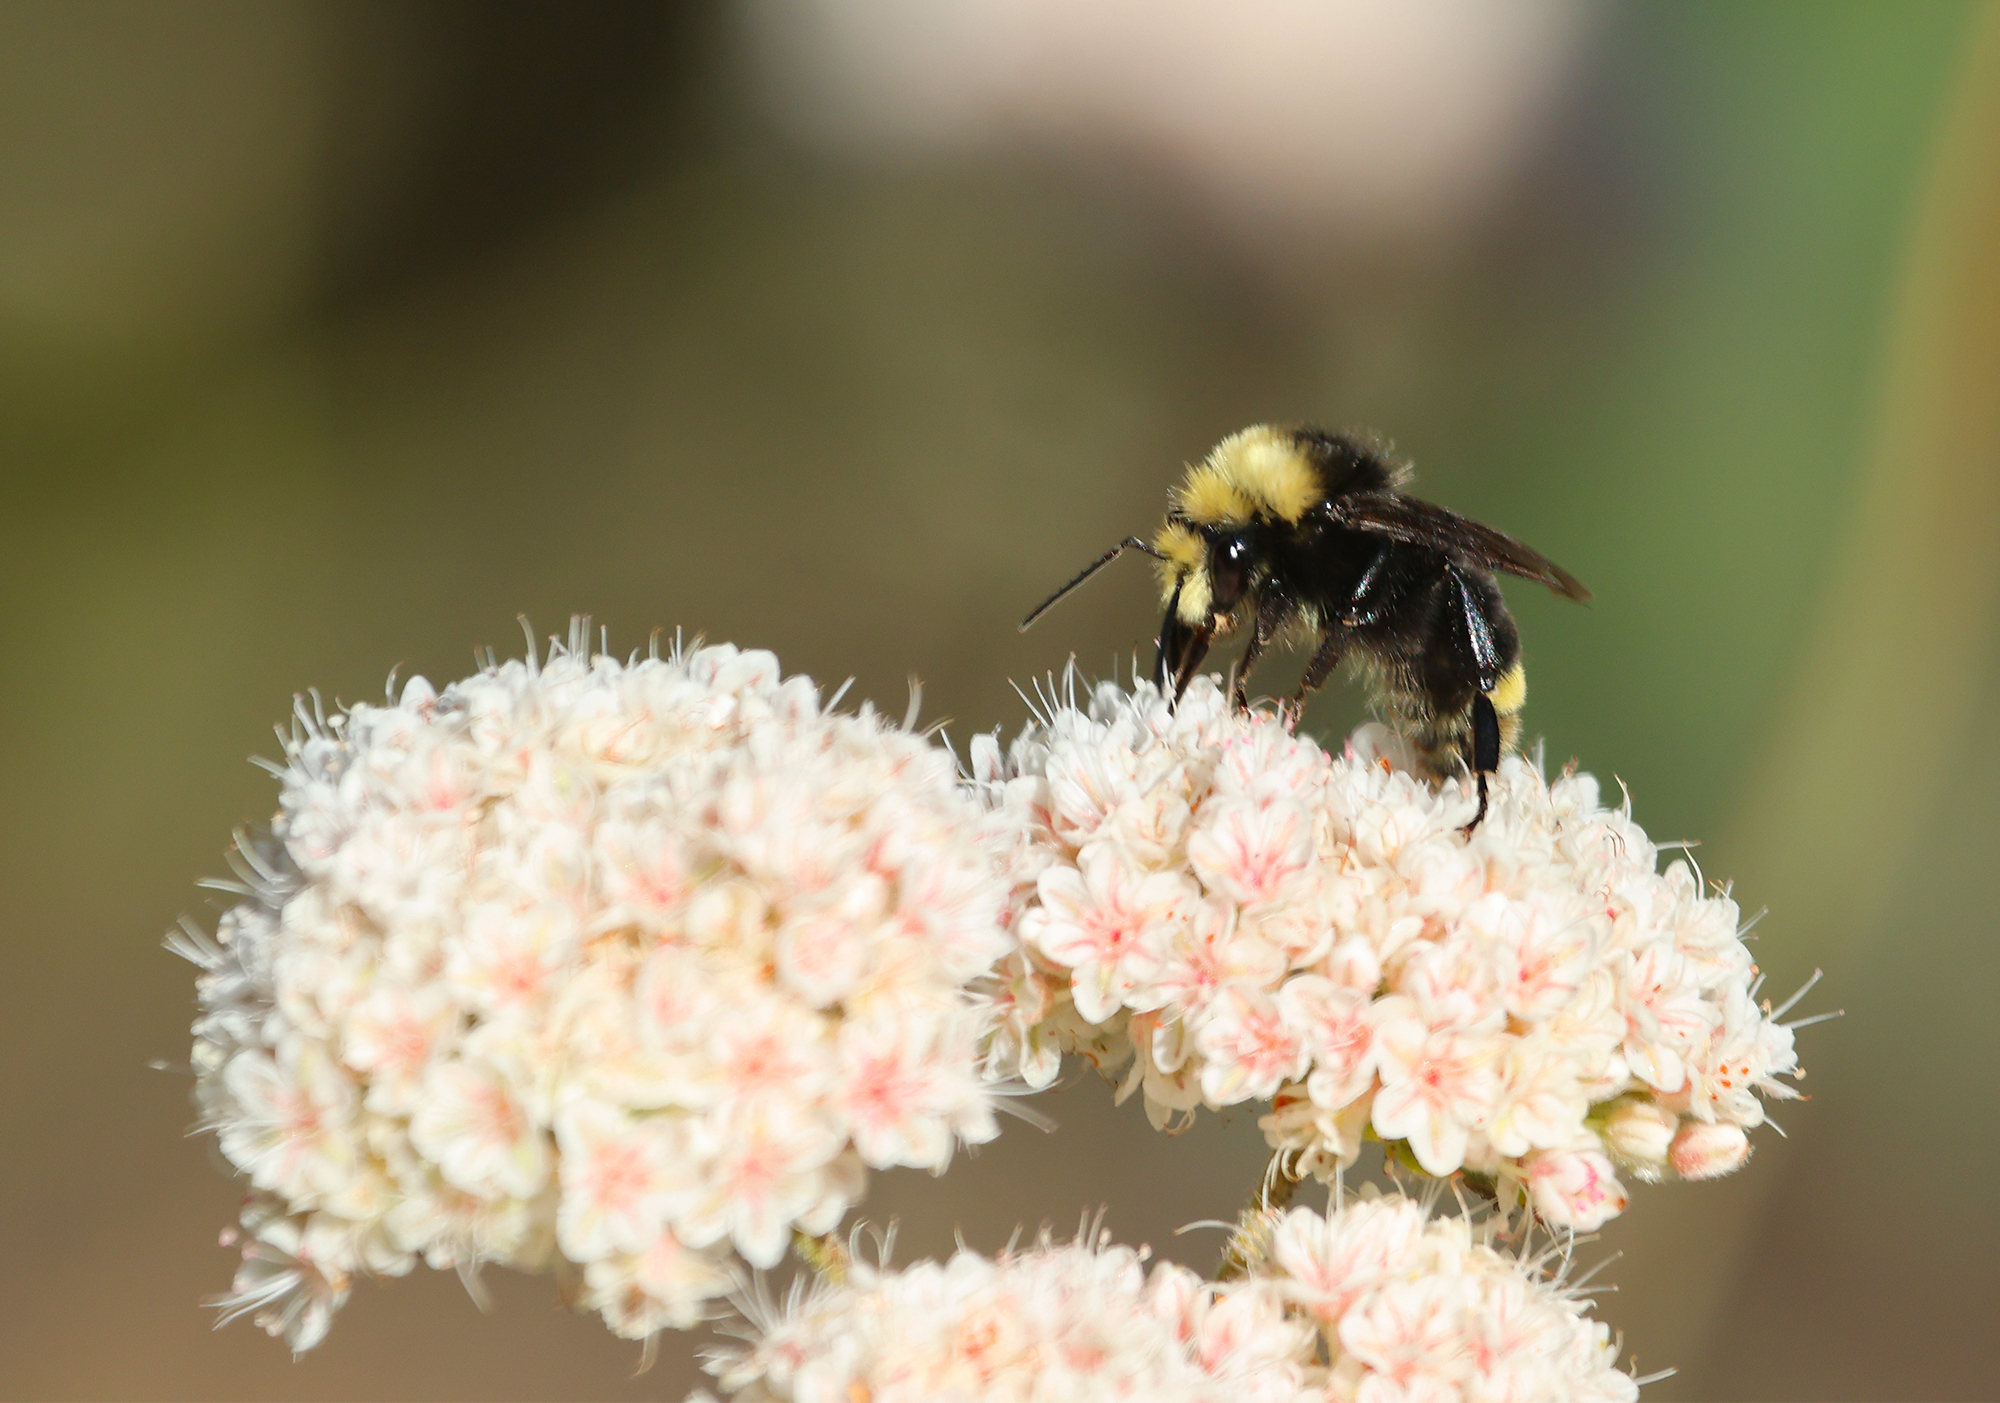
(1420, 523)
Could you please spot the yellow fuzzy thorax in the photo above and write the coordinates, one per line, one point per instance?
(1258, 472)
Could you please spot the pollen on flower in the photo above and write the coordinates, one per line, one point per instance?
(1228, 913)
(639, 964)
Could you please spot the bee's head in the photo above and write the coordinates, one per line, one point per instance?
(1206, 572)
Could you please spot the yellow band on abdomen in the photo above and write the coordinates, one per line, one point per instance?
(1510, 693)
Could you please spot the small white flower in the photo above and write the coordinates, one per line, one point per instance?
(1436, 1087)
(1214, 950)
(508, 958)
(669, 1286)
(1022, 996)
(1248, 1047)
(1574, 1187)
(1336, 1026)
(1327, 1263)
(905, 1085)
(393, 1035)
(1253, 851)
(1408, 1335)
(470, 1122)
(291, 1131)
(1452, 982)
(283, 1285)
(639, 965)
(1109, 923)
(1665, 1016)
(765, 1166)
(623, 1179)
(1541, 1100)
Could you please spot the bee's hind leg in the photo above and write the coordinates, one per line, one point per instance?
(1485, 751)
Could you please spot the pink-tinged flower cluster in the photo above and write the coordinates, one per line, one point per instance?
(641, 965)
(1412, 1307)
(1243, 917)
(1074, 1323)
(1370, 1303)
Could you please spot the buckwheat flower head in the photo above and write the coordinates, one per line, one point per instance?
(1231, 914)
(638, 965)
(1078, 1322)
(1375, 1300)
(1410, 1306)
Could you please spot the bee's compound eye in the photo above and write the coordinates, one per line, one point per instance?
(1229, 569)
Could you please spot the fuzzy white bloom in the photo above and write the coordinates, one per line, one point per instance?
(1375, 1301)
(1078, 1323)
(1242, 917)
(637, 964)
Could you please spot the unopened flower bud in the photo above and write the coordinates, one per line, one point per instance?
(1639, 1134)
(1575, 1189)
(1708, 1151)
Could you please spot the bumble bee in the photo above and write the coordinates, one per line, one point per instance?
(1309, 534)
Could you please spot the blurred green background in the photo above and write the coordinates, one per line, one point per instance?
(334, 337)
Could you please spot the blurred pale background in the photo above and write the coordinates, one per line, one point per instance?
(334, 337)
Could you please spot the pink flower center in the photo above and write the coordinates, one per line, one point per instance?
(495, 1117)
(884, 1092)
(760, 1064)
(405, 1043)
(757, 1170)
(618, 1176)
(1263, 1042)
(299, 1116)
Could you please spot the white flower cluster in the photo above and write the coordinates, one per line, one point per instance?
(623, 963)
(1077, 1323)
(1372, 1302)
(1411, 1307)
(1246, 918)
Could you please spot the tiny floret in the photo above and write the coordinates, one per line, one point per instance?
(1229, 914)
(639, 965)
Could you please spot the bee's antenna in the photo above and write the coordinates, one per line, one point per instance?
(1129, 543)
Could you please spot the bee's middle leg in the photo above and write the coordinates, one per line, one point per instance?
(1326, 657)
(1271, 611)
